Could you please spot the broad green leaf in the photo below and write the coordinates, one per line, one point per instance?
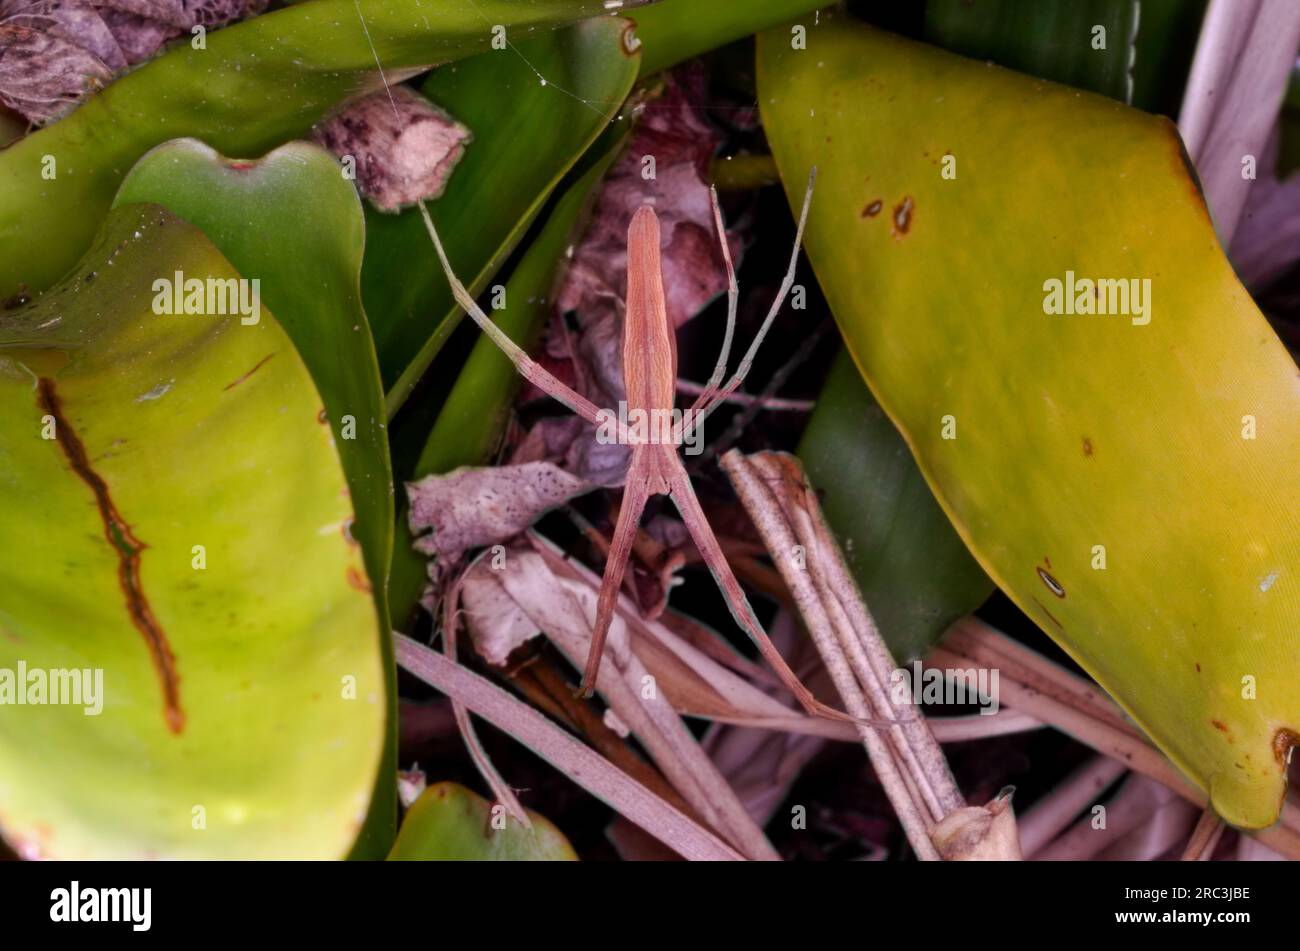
(1165, 440)
(1147, 67)
(293, 222)
(1085, 43)
(449, 823)
(914, 572)
(174, 517)
(673, 31)
(255, 85)
(473, 417)
(527, 134)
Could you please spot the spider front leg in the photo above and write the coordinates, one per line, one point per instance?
(527, 367)
(733, 293)
(708, 401)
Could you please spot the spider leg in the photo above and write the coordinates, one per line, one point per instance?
(696, 417)
(636, 492)
(528, 368)
(683, 496)
(733, 291)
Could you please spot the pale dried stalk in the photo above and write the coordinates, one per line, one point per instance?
(702, 682)
(906, 757)
(1238, 78)
(1141, 808)
(1205, 837)
(1051, 815)
(589, 770)
(501, 790)
(1033, 684)
(655, 723)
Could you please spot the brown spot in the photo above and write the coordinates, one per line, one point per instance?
(1087, 447)
(128, 549)
(359, 581)
(903, 216)
(1047, 562)
(20, 298)
(1198, 668)
(1284, 740)
(873, 209)
(1051, 583)
(629, 42)
(260, 363)
(240, 165)
(322, 417)
(1220, 726)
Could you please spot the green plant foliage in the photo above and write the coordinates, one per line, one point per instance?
(176, 518)
(448, 823)
(1127, 479)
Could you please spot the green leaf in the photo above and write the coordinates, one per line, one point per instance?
(1085, 43)
(526, 136)
(473, 417)
(128, 438)
(1168, 446)
(256, 85)
(914, 572)
(673, 31)
(293, 222)
(448, 823)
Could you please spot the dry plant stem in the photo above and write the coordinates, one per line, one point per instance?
(906, 757)
(500, 788)
(1137, 808)
(1034, 685)
(543, 684)
(650, 374)
(1205, 837)
(1052, 814)
(698, 675)
(654, 722)
(585, 767)
(1239, 76)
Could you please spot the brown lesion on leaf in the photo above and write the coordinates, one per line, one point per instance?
(128, 549)
(1087, 447)
(357, 580)
(1222, 728)
(903, 216)
(873, 209)
(1284, 740)
(1049, 582)
(260, 363)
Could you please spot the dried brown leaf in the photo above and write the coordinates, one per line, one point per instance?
(472, 507)
(405, 148)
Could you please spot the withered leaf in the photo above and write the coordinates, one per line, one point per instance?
(471, 507)
(405, 147)
(42, 75)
